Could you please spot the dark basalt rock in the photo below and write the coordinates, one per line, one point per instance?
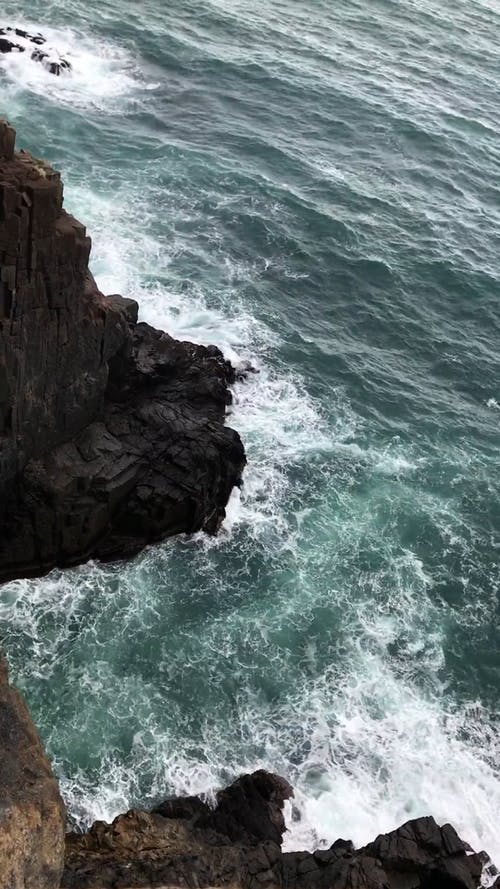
(19, 32)
(188, 808)
(418, 854)
(53, 67)
(112, 434)
(8, 44)
(185, 843)
(251, 809)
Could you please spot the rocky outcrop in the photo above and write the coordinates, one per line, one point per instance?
(112, 434)
(17, 40)
(31, 810)
(418, 855)
(184, 842)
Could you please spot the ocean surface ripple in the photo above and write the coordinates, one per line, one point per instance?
(314, 187)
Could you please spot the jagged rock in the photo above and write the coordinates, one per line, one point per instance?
(112, 434)
(430, 855)
(32, 814)
(251, 809)
(418, 855)
(243, 371)
(140, 849)
(38, 39)
(185, 843)
(56, 67)
(14, 40)
(188, 808)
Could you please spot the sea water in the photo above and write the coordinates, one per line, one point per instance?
(314, 187)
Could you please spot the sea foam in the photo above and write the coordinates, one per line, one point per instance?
(307, 637)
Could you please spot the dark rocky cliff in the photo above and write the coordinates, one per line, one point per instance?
(184, 842)
(238, 844)
(112, 434)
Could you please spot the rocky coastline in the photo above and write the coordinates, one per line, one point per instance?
(113, 436)
(184, 842)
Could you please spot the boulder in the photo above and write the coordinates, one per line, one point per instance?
(251, 809)
(428, 855)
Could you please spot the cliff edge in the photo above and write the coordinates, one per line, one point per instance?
(183, 842)
(32, 815)
(112, 434)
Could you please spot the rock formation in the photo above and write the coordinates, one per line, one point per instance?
(183, 842)
(32, 815)
(112, 434)
(16, 40)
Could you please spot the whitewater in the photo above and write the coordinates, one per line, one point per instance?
(314, 190)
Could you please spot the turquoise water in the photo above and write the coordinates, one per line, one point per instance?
(313, 186)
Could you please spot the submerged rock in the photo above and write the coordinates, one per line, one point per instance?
(15, 40)
(238, 843)
(32, 816)
(112, 434)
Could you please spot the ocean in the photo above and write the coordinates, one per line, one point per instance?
(314, 187)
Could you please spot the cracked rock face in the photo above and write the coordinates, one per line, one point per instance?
(32, 816)
(112, 434)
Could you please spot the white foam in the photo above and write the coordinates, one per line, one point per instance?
(277, 419)
(375, 770)
(365, 744)
(101, 71)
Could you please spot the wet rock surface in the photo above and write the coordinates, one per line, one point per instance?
(184, 842)
(32, 817)
(112, 434)
(17, 40)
